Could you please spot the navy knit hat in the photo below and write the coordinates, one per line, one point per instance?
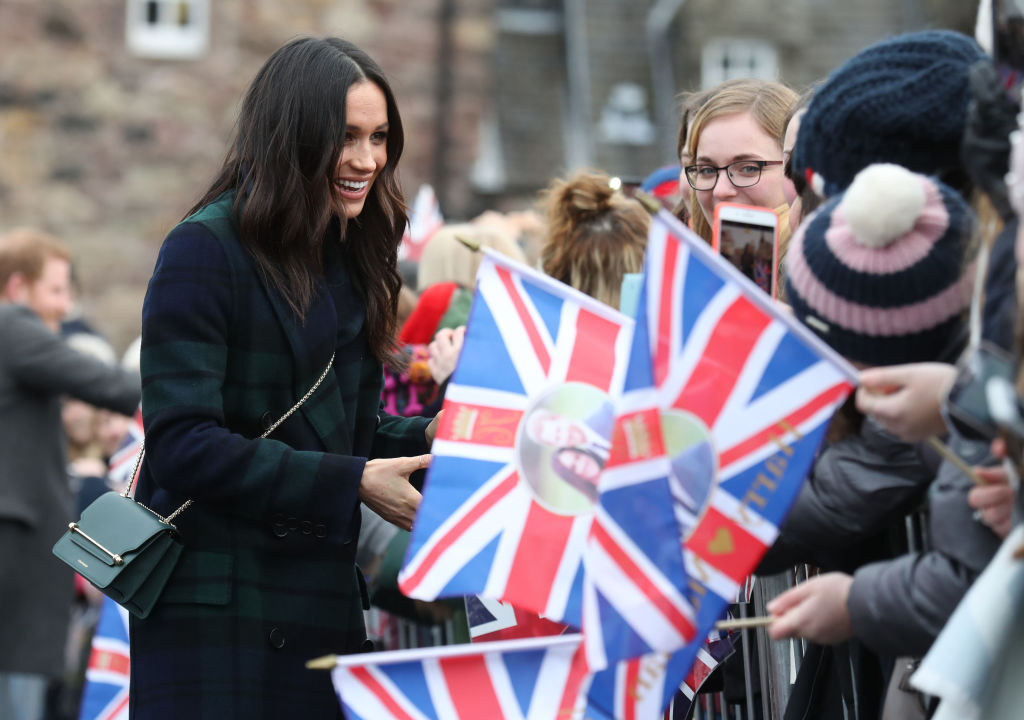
(902, 100)
(879, 272)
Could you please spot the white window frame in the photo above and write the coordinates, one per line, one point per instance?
(166, 39)
(727, 58)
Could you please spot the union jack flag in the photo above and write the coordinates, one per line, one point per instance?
(122, 462)
(507, 679)
(734, 397)
(716, 649)
(491, 619)
(105, 696)
(535, 678)
(424, 220)
(502, 515)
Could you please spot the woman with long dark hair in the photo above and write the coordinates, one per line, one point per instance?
(284, 273)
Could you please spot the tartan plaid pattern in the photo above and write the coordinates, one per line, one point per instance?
(267, 579)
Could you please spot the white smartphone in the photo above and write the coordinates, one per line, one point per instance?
(748, 237)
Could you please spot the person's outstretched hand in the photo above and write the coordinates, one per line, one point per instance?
(815, 609)
(993, 501)
(444, 352)
(907, 399)
(386, 490)
(431, 431)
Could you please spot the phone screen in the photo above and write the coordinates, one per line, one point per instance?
(751, 248)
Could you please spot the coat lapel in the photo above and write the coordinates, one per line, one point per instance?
(312, 345)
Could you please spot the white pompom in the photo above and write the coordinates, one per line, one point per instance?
(882, 204)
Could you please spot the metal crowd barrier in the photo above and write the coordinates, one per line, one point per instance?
(778, 663)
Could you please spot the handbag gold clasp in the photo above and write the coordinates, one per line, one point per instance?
(73, 527)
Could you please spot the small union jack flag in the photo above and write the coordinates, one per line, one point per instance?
(491, 619)
(424, 220)
(727, 396)
(122, 462)
(537, 678)
(507, 679)
(105, 696)
(510, 493)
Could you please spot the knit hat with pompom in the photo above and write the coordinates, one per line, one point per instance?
(879, 272)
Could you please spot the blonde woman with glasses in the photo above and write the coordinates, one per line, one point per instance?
(735, 154)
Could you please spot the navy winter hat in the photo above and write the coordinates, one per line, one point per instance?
(903, 100)
(879, 271)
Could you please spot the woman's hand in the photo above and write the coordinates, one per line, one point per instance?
(444, 352)
(386, 490)
(907, 399)
(993, 501)
(815, 609)
(431, 431)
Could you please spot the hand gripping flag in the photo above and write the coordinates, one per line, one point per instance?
(528, 679)
(105, 696)
(726, 398)
(509, 496)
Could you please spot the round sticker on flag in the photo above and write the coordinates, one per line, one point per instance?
(693, 462)
(562, 446)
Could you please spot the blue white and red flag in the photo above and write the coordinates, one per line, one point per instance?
(491, 619)
(532, 678)
(424, 220)
(105, 696)
(728, 398)
(122, 462)
(717, 647)
(510, 493)
(537, 679)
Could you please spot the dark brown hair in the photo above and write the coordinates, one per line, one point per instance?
(288, 139)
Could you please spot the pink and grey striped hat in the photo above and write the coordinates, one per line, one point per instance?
(880, 272)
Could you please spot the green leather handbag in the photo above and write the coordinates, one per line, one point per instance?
(123, 548)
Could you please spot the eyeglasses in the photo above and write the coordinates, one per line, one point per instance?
(742, 173)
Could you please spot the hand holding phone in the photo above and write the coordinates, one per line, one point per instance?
(748, 237)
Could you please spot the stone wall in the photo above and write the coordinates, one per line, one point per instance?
(107, 150)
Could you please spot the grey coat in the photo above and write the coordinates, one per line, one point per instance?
(899, 606)
(36, 368)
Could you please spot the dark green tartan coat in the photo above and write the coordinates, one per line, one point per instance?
(267, 579)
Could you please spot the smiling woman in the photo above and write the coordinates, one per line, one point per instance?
(739, 120)
(286, 266)
(365, 152)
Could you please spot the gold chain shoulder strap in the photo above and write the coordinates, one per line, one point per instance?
(272, 428)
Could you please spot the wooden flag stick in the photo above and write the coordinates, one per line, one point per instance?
(741, 623)
(327, 662)
(471, 244)
(944, 451)
(649, 202)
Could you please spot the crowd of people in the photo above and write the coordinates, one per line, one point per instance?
(897, 246)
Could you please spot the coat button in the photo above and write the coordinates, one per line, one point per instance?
(366, 646)
(266, 420)
(276, 638)
(320, 530)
